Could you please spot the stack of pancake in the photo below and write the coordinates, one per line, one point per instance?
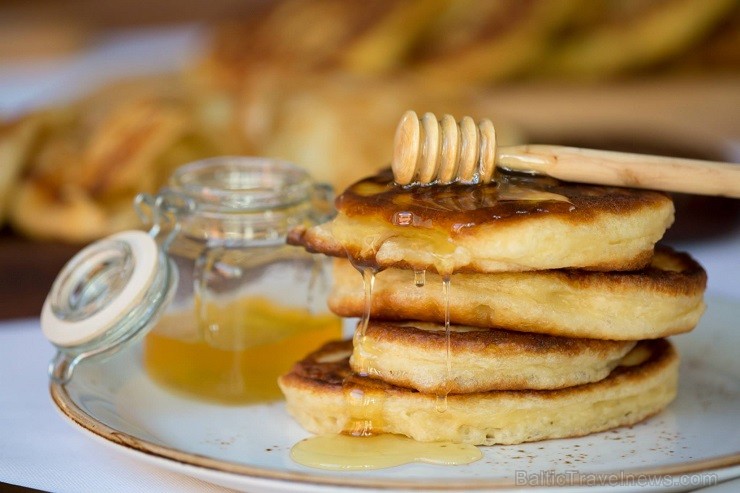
(516, 311)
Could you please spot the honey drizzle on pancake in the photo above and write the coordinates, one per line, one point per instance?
(441, 404)
(431, 217)
(455, 207)
(365, 408)
(368, 281)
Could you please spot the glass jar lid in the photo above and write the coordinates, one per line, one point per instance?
(99, 286)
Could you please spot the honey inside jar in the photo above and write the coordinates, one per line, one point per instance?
(237, 356)
(243, 305)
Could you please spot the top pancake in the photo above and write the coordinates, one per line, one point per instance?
(520, 223)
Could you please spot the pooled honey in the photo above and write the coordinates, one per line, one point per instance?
(236, 356)
(344, 452)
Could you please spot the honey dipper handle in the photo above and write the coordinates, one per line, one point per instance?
(623, 169)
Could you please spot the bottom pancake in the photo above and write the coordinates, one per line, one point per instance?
(414, 355)
(321, 394)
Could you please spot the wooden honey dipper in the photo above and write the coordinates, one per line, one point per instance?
(429, 151)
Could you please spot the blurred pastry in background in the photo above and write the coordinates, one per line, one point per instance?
(339, 127)
(613, 38)
(458, 43)
(77, 168)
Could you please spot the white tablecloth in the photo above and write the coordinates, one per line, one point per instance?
(40, 449)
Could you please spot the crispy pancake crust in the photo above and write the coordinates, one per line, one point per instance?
(414, 355)
(457, 228)
(663, 299)
(316, 399)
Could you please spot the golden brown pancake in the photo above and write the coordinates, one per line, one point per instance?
(414, 355)
(520, 223)
(315, 395)
(665, 298)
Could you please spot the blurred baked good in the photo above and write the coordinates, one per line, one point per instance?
(84, 163)
(340, 128)
(15, 144)
(455, 43)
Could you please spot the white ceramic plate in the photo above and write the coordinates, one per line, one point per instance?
(694, 443)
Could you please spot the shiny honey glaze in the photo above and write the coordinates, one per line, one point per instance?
(455, 207)
(238, 355)
(430, 218)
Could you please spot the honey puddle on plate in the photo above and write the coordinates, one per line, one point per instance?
(344, 452)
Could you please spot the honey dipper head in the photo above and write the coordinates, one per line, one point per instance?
(431, 151)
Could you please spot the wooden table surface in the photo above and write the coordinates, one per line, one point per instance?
(27, 270)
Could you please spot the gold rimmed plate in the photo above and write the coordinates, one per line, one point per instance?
(693, 443)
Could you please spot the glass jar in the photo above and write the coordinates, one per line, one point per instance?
(237, 305)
